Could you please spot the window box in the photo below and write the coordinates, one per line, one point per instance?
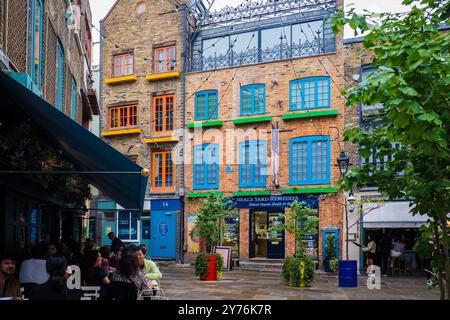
(203, 194)
(162, 140)
(311, 114)
(309, 190)
(163, 76)
(201, 124)
(120, 132)
(252, 120)
(121, 79)
(251, 193)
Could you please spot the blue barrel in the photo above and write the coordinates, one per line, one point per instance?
(348, 275)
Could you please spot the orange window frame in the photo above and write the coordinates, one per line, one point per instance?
(123, 66)
(163, 171)
(122, 116)
(166, 59)
(163, 114)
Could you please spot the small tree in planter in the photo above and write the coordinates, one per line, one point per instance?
(208, 226)
(298, 271)
(330, 263)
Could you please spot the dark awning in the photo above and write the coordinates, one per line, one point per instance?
(85, 150)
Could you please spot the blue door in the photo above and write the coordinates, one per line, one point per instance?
(163, 234)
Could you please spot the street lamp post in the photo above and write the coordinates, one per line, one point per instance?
(343, 163)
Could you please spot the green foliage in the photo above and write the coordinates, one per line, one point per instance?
(219, 262)
(209, 222)
(330, 247)
(333, 264)
(412, 85)
(201, 266)
(300, 223)
(291, 271)
(22, 147)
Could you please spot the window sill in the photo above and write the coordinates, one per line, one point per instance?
(116, 80)
(252, 120)
(163, 76)
(201, 124)
(203, 194)
(310, 114)
(162, 139)
(120, 132)
(162, 192)
(251, 193)
(297, 190)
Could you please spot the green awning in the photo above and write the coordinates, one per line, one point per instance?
(85, 150)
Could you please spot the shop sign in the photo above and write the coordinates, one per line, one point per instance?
(273, 201)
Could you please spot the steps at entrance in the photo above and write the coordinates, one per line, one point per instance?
(272, 265)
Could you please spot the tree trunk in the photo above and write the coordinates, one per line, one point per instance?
(437, 249)
(445, 253)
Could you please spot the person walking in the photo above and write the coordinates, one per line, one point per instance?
(115, 242)
(385, 251)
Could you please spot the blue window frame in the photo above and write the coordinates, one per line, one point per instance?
(59, 76)
(252, 164)
(73, 101)
(309, 93)
(206, 105)
(35, 15)
(206, 166)
(253, 99)
(309, 160)
(127, 226)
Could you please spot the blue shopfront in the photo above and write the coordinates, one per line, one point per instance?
(155, 226)
(260, 214)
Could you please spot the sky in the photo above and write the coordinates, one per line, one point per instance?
(101, 7)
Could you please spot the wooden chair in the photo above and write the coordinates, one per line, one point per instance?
(407, 264)
(93, 293)
(395, 261)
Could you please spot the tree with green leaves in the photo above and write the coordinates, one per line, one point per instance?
(413, 85)
(210, 220)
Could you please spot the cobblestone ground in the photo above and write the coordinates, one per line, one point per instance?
(180, 283)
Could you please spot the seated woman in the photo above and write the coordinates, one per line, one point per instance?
(128, 271)
(149, 268)
(92, 274)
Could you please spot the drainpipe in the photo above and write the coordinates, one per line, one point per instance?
(183, 114)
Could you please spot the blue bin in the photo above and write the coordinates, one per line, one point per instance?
(348, 275)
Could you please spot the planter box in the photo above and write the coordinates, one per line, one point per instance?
(212, 275)
(348, 274)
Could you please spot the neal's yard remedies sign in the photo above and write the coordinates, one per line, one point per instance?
(273, 201)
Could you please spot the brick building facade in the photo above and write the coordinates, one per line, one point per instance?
(229, 78)
(141, 97)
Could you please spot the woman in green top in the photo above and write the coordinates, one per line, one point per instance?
(148, 267)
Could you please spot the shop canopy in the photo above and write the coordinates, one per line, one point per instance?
(105, 168)
(391, 214)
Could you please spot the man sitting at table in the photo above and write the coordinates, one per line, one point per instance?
(397, 248)
(9, 286)
(149, 268)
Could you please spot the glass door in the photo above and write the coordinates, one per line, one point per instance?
(275, 243)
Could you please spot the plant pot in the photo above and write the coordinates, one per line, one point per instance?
(219, 275)
(326, 266)
(211, 275)
(302, 274)
(348, 274)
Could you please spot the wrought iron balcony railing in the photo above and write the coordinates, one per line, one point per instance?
(257, 55)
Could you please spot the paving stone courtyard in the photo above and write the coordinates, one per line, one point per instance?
(180, 283)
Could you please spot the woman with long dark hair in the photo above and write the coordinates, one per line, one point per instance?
(128, 271)
(92, 274)
(56, 286)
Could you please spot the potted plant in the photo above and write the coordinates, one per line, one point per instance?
(298, 271)
(330, 263)
(208, 227)
(219, 266)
